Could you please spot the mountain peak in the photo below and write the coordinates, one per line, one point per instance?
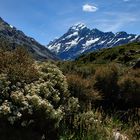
(78, 26)
(120, 33)
(95, 30)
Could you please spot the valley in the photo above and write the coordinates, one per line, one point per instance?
(87, 88)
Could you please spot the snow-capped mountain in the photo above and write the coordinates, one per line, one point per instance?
(12, 38)
(80, 39)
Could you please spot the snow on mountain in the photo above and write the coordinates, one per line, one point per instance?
(80, 39)
(11, 26)
(78, 26)
(90, 42)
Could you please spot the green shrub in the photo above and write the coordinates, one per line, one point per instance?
(34, 103)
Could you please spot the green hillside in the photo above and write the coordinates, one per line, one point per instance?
(126, 54)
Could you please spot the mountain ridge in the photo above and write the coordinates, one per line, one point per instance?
(12, 37)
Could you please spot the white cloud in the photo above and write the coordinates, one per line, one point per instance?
(89, 8)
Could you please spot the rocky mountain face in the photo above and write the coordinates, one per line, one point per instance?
(79, 39)
(11, 37)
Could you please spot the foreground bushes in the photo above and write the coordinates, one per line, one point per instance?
(115, 92)
(35, 102)
(34, 96)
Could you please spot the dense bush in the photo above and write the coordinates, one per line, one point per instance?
(18, 66)
(106, 79)
(83, 90)
(33, 101)
(129, 86)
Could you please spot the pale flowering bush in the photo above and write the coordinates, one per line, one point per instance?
(42, 103)
(87, 120)
(5, 108)
(73, 105)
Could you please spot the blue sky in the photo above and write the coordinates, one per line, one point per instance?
(46, 19)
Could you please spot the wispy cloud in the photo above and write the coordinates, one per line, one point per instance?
(89, 8)
(115, 21)
(126, 0)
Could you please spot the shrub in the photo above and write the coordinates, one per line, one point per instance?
(90, 125)
(83, 90)
(106, 81)
(38, 103)
(130, 88)
(18, 65)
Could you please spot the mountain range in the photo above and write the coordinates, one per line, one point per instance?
(79, 39)
(12, 38)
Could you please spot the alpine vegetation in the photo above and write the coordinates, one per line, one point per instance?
(37, 98)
